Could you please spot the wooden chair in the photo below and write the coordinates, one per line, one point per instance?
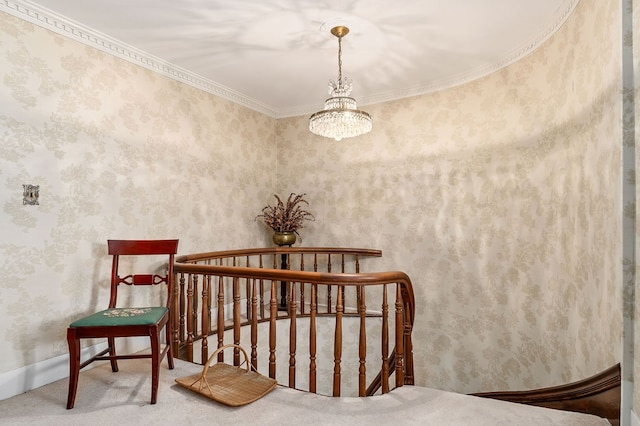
(127, 321)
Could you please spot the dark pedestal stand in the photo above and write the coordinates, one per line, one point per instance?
(283, 284)
(284, 239)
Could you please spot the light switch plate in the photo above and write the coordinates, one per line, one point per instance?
(30, 195)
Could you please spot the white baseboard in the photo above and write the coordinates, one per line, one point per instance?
(16, 382)
(21, 380)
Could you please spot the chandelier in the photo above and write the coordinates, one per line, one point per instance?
(340, 118)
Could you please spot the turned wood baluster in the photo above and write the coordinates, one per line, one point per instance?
(408, 350)
(399, 338)
(357, 264)
(344, 291)
(174, 318)
(248, 292)
(190, 320)
(273, 305)
(337, 342)
(286, 297)
(196, 307)
(254, 326)
(408, 344)
(247, 295)
(315, 269)
(329, 286)
(220, 322)
(261, 286)
(277, 265)
(302, 310)
(292, 334)
(236, 319)
(362, 310)
(312, 339)
(210, 298)
(204, 350)
(385, 341)
(180, 330)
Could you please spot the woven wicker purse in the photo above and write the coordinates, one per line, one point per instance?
(227, 384)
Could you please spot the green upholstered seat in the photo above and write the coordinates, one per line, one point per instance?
(121, 316)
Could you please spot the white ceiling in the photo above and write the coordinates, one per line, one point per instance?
(277, 56)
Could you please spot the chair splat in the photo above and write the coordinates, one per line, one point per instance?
(142, 279)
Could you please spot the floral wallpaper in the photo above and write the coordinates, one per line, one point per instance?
(500, 198)
(631, 16)
(118, 152)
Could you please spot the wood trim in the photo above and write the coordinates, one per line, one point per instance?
(598, 395)
(277, 250)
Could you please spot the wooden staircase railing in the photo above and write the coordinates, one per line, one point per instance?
(224, 294)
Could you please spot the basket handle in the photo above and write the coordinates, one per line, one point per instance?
(220, 349)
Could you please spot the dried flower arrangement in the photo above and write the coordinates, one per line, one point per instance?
(286, 217)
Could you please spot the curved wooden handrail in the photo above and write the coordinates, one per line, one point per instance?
(360, 279)
(277, 250)
(195, 269)
(598, 395)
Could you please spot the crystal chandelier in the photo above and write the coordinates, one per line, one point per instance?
(340, 118)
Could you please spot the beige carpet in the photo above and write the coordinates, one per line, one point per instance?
(106, 398)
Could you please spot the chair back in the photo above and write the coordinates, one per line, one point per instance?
(119, 248)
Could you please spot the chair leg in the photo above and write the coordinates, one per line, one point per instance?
(169, 350)
(112, 352)
(155, 362)
(74, 366)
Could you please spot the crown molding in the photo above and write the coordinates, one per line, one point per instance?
(48, 19)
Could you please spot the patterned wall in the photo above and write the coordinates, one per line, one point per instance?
(118, 152)
(500, 199)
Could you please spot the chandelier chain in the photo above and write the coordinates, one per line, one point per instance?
(340, 62)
